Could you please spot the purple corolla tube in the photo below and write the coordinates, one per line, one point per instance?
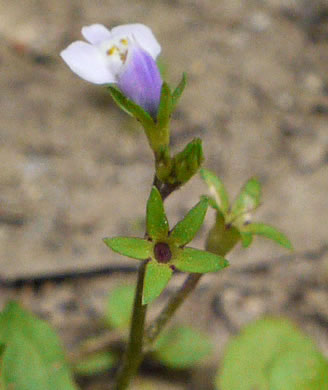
(140, 80)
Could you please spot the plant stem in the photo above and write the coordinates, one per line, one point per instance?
(173, 305)
(133, 354)
(165, 189)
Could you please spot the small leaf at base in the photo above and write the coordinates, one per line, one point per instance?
(119, 306)
(267, 351)
(33, 357)
(182, 347)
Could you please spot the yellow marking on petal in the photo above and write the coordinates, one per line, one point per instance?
(124, 41)
(112, 50)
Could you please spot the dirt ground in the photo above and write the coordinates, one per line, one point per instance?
(74, 169)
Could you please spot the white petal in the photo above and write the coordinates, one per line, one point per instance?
(87, 62)
(96, 33)
(143, 35)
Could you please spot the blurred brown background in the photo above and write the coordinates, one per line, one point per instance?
(74, 169)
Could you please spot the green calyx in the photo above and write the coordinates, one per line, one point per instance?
(173, 171)
(157, 129)
(165, 249)
(234, 221)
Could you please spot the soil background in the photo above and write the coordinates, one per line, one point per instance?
(74, 169)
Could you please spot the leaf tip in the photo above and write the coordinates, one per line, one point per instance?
(225, 263)
(106, 241)
(288, 245)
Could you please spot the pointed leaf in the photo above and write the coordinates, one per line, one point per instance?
(246, 239)
(131, 108)
(270, 232)
(165, 107)
(119, 306)
(136, 248)
(195, 260)
(33, 357)
(157, 224)
(179, 90)
(182, 347)
(217, 189)
(185, 230)
(156, 278)
(247, 200)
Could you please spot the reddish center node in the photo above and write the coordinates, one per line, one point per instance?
(162, 252)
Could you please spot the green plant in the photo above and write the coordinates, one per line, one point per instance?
(124, 59)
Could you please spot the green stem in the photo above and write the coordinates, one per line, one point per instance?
(133, 354)
(173, 305)
(165, 189)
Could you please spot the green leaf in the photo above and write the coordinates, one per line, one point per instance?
(185, 230)
(247, 200)
(131, 108)
(165, 107)
(33, 357)
(156, 279)
(187, 162)
(119, 306)
(294, 370)
(157, 224)
(195, 260)
(182, 347)
(95, 364)
(246, 239)
(136, 248)
(217, 189)
(268, 231)
(252, 358)
(179, 90)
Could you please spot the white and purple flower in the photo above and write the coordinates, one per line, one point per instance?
(124, 56)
